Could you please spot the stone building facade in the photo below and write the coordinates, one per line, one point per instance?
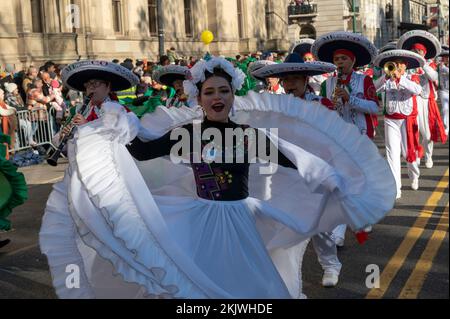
(33, 31)
(380, 21)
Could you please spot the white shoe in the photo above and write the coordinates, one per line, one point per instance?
(368, 229)
(399, 195)
(415, 184)
(339, 241)
(429, 163)
(330, 279)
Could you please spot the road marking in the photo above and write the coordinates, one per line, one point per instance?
(414, 233)
(14, 252)
(423, 266)
(48, 181)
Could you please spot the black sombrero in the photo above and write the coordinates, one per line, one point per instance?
(301, 47)
(390, 46)
(170, 73)
(76, 74)
(325, 46)
(443, 53)
(256, 65)
(429, 41)
(413, 60)
(294, 64)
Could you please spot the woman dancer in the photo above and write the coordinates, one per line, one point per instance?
(206, 230)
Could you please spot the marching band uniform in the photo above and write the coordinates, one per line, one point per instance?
(430, 122)
(443, 90)
(400, 123)
(362, 107)
(323, 243)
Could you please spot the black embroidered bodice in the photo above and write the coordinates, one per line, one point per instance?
(225, 181)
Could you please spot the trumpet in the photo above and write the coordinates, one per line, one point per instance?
(53, 159)
(389, 68)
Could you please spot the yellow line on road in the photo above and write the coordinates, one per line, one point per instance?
(20, 250)
(423, 266)
(397, 260)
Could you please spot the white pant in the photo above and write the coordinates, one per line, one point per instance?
(443, 97)
(327, 252)
(339, 231)
(424, 127)
(396, 146)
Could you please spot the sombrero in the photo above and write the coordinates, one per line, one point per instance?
(170, 73)
(76, 74)
(294, 64)
(425, 38)
(443, 53)
(390, 46)
(302, 46)
(325, 46)
(413, 60)
(254, 66)
(444, 47)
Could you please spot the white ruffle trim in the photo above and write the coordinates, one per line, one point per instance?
(99, 175)
(371, 200)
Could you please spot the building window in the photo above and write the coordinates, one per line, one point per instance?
(188, 18)
(240, 17)
(117, 15)
(152, 18)
(36, 16)
(267, 10)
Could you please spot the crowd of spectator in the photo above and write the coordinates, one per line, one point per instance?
(34, 102)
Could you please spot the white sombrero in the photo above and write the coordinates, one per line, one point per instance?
(390, 46)
(254, 66)
(413, 60)
(302, 46)
(325, 46)
(75, 75)
(170, 73)
(425, 38)
(443, 53)
(294, 64)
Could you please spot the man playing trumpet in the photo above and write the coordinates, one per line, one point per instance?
(430, 123)
(400, 112)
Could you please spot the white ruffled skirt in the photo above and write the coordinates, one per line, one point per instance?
(138, 230)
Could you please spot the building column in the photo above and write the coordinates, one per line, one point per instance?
(224, 26)
(51, 17)
(24, 23)
(278, 26)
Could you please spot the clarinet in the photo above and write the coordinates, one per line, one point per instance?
(338, 104)
(53, 159)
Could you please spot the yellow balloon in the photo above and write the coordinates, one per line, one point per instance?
(207, 37)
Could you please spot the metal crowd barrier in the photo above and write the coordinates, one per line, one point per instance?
(34, 128)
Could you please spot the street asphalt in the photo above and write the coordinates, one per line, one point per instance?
(409, 246)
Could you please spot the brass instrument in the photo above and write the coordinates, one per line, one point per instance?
(389, 68)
